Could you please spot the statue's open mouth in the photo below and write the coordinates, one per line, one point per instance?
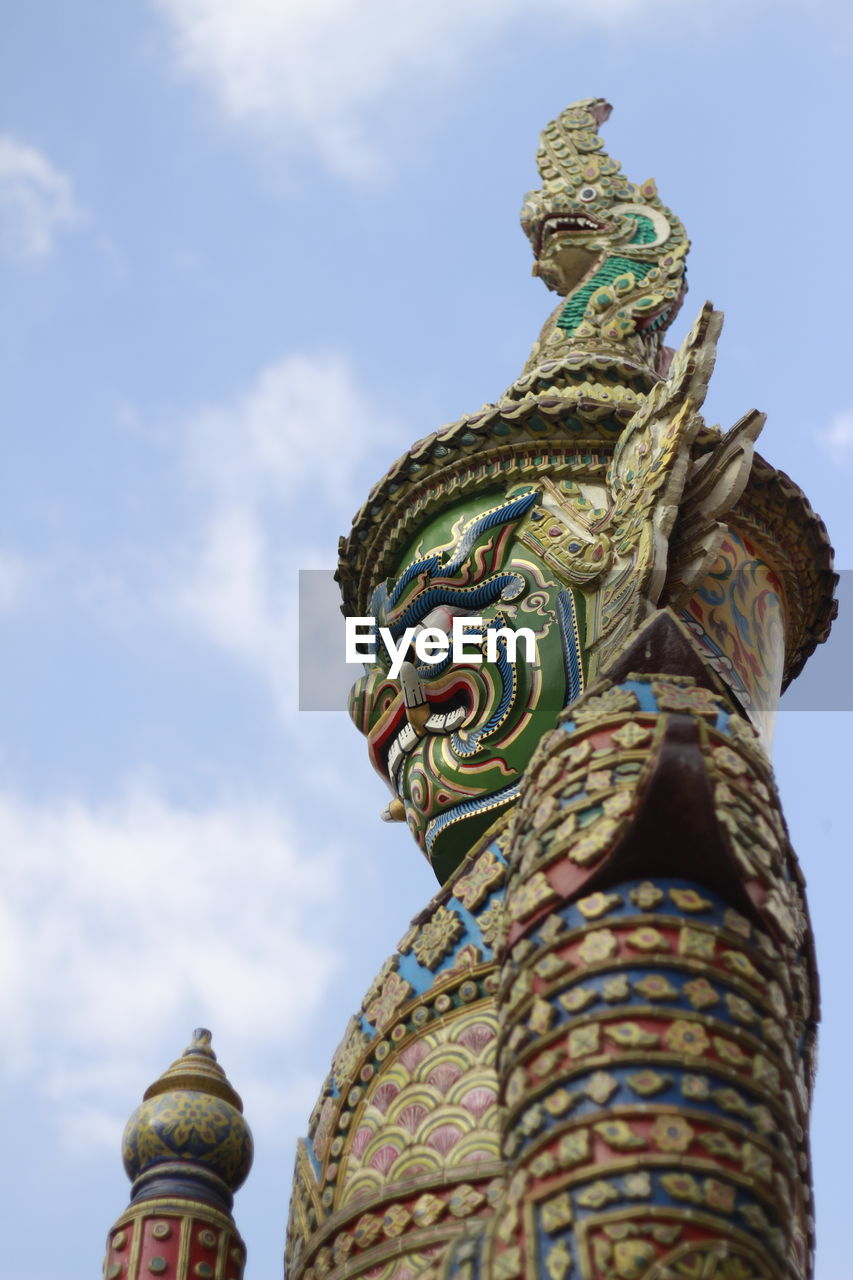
(568, 223)
(397, 737)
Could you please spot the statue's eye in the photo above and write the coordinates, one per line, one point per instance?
(588, 194)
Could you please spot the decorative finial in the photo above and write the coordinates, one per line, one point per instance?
(198, 1070)
(608, 245)
(186, 1149)
(189, 1127)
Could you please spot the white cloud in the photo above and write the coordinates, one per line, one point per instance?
(837, 438)
(36, 201)
(123, 927)
(317, 72)
(16, 575)
(304, 421)
(279, 473)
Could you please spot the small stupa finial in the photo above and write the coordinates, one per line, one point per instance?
(196, 1069)
(186, 1149)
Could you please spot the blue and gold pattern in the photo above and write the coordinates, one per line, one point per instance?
(190, 1114)
(187, 1148)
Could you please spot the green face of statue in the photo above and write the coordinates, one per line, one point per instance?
(455, 755)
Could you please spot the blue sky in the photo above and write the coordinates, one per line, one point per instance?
(249, 253)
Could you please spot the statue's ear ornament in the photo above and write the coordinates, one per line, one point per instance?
(563, 536)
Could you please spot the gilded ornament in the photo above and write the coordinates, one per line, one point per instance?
(700, 993)
(507, 1264)
(631, 735)
(618, 804)
(573, 1149)
(632, 1257)
(732, 1101)
(730, 762)
(597, 1195)
(578, 998)
(349, 1053)
(682, 1186)
(367, 1229)
(765, 1073)
(600, 1087)
(719, 1144)
(464, 1201)
(529, 897)
(671, 1133)
(598, 904)
(561, 1101)
(696, 942)
(687, 1037)
(647, 1083)
(600, 944)
(690, 900)
(656, 987)
(730, 1052)
(515, 1086)
(549, 966)
(584, 1040)
(696, 1087)
(540, 1016)
(763, 1119)
(718, 1195)
(395, 991)
(556, 1212)
(491, 923)
(550, 928)
(437, 937)
(740, 964)
(543, 1165)
(342, 1249)
(603, 705)
(395, 1221)
(486, 874)
(594, 840)
(674, 697)
(618, 1134)
(558, 1261)
(637, 1186)
(647, 896)
(615, 989)
(630, 1035)
(544, 1063)
(647, 938)
(531, 1120)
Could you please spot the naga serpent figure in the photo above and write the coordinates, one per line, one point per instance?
(591, 1054)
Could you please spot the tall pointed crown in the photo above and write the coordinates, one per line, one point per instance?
(616, 256)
